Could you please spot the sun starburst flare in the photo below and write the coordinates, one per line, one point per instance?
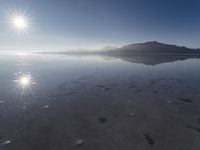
(19, 21)
(24, 83)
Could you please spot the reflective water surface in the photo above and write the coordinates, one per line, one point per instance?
(58, 102)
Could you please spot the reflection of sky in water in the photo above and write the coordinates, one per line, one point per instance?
(50, 71)
(39, 92)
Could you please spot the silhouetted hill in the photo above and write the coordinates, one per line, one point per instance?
(152, 53)
(155, 48)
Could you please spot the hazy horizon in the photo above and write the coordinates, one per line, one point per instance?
(73, 49)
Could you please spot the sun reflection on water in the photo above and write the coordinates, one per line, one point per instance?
(25, 81)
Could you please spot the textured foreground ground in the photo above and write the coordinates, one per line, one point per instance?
(115, 107)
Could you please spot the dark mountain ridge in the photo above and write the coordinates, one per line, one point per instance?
(155, 48)
(152, 53)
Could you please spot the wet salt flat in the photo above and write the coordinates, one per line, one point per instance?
(58, 102)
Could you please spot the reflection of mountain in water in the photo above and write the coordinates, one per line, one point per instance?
(153, 59)
(149, 53)
(152, 53)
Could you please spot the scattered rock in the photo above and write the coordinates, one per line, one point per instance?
(104, 88)
(6, 142)
(1, 102)
(125, 129)
(133, 114)
(169, 102)
(155, 92)
(47, 106)
(152, 82)
(149, 139)
(187, 100)
(79, 142)
(100, 86)
(107, 89)
(177, 109)
(194, 128)
(132, 86)
(138, 90)
(18, 130)
(102, 120)
(70, 93)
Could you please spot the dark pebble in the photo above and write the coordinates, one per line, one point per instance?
(194, 128)
(100, 86)
(149, 139)
(187, 100)
(107, 89)
(102, 120)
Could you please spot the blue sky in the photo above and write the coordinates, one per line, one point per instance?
(65, 24)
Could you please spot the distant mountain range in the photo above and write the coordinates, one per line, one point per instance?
(152, 53)
(154, 48)
(149, 53)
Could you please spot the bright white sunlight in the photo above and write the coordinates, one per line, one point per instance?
(19, 22)
(24, 81)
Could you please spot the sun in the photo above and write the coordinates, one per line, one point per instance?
(19, 22)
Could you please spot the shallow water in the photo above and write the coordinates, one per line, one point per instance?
(58, 102)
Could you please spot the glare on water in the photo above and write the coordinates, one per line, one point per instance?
(24, 80)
